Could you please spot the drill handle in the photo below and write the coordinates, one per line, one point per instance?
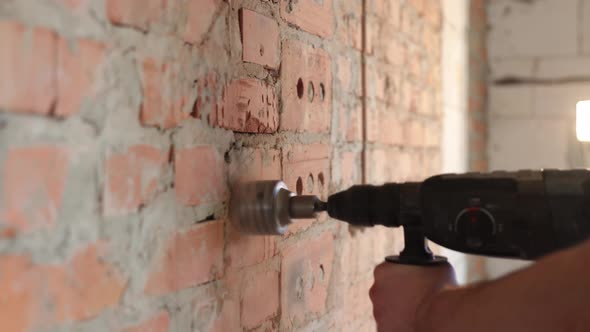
(416, 250)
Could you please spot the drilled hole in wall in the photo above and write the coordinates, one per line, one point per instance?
(322, 272)
(289, 7)
(300, 88)
(299, 288)
(322, 92)
(321, 181)
(299, 186)
(261, 50)
(310, 183)
(310, 91)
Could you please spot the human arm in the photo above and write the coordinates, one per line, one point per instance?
(551, 295)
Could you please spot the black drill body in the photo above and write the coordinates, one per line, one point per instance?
(524, 214)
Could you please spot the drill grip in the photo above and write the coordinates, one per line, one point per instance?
(366, 205)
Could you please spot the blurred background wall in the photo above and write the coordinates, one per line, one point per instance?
(539, 53)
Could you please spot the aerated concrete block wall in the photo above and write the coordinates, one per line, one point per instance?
(124, 122)
(539, 70)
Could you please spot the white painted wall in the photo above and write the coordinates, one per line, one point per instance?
(455, 95)
(544, 45)
(454, 85)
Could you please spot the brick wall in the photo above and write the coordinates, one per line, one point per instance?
(123, 122)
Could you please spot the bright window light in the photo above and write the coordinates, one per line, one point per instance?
(583, 121)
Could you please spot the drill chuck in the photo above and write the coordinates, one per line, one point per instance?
(367, 205)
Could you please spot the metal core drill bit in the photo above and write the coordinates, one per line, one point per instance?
(268, 207)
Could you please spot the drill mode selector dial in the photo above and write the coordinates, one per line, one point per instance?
(476, 226)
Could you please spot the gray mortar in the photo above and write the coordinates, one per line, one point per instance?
(109, 124)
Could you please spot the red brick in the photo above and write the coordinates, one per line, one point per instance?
(246, 250)
(396, 52)
(28, 61)
(135, 13)
(344, 72)
(383, 83)
(480, 165)
(304, 70)
(74, 4)
(164, 94)
(227, 320)
(414, 64)
(411, 23)
(85, 286)
(350, 30)
(260, 39)
(306, 162)
(478, 126)
(388, 11)
(32, 188)
(20, 299)
(312, 16)
(358, 254)
(381, 169)
(350, 169)
(358, 293)
(306, 271)
(260, 299)
(249, 105)
(207, 101)
(478, 145)
(218, 310)
(349, 76)
(200, 16)
(414, 133)
(249, 164)
(42, 295)
(385, 126)
(132, 178)
(350, 124)
(418, 5)
(433, 13)
(427, 102)
(409, 96)
(76, 74)
(394, 14)
(158, 323)
(199, 175)
(377, 6)
(372, 33)
(431, 40)
(189, 258)
(433, 163)
(306, 171)
(432, 135)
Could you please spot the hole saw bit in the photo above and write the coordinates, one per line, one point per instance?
(268, 207)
